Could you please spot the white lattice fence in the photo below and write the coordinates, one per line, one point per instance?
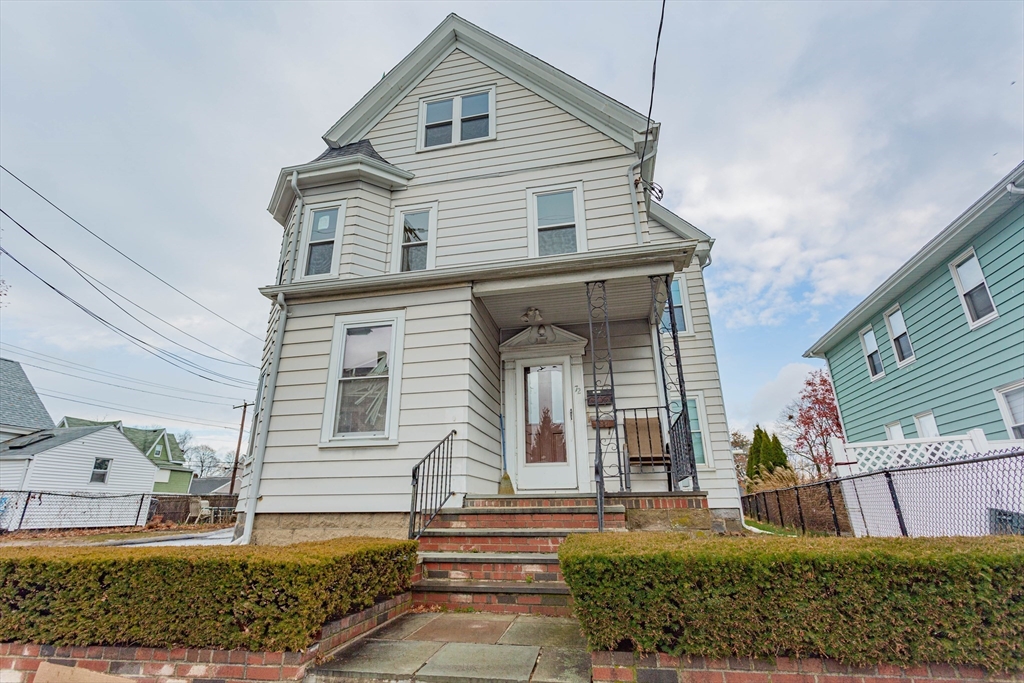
(869, 456)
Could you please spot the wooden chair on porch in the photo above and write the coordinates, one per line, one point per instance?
(645, 447)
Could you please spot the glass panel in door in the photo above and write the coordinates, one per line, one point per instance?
(545, 414)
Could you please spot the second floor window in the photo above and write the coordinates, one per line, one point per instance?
(415, 238)
(973, 290)
(678, 310)
(556, 220)
(322, 229)
(874, 358)
(900, 337)
(457, 119)
(100, 470)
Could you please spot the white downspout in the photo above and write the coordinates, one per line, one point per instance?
(261, 446)
(633, 196)
(298, 224)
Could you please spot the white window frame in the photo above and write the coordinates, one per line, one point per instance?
(1004, 407)
(307, 225)
(917, 425)
(892, 338)
(705, 435)
(531, 217)
(973, 324)
(341, 323)
(685, 293)
(106, 476)
(396, 246)
(888, 431)
(864, 351)
(456, 98)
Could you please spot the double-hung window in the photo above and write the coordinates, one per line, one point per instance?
(695, 411)
(679, 310)
(322, 229)
(900, 336)
(557, 224)
(874, 358)
(364, 379)
(1011, 405)
(415, 238)
(100, 470)
(973, 290)
(455, 119)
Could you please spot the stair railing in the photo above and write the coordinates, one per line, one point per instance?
(431, 486)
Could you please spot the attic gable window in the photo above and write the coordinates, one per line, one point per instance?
(455, 119)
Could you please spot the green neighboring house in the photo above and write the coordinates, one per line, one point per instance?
(933, 359)
(159, 445)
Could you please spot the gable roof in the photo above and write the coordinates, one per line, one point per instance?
(953, 239)
(614, 119)
(143, 439)
(684, 229)
(68, 421)
(20, 405)
(43, 440)
(204, 485)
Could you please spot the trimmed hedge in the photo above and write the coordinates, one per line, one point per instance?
(252, 597)
(860, 601)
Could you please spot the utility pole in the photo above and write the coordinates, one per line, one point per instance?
(238, 448)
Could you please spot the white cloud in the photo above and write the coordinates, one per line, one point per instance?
(770, 398)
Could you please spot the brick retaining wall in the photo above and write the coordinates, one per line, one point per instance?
(662, 668)
(19, 661)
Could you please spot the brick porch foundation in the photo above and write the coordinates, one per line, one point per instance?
(19, 661)
(662, 668)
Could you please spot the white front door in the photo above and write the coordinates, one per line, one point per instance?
(545, 443)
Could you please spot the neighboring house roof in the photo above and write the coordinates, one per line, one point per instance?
(20, 405)
(206, 485)
(362, 147)
(23, 447)
(953, 239)
(67, 421)
(143, 439)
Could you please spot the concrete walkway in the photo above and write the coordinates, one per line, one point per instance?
(218, 537)
(465, 648)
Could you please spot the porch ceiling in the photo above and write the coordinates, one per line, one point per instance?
(629, 298)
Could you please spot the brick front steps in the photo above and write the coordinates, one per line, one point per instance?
(19, 661)
(539, 517)
(532, 567)
(495, 540)
(550, 598)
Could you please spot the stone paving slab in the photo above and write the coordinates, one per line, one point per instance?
(383, 658)
(477, 663)
(404, 625)
(562, 665)
(544, 631)
(464, 628)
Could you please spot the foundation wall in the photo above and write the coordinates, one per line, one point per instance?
(287, 528)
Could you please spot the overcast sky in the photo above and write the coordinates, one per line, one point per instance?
(821, 144)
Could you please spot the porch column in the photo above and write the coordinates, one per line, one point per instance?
(683, 462)
(607, 451)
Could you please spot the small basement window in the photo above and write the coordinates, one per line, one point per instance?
(100, 470)
(900, 337)
(973, 290)
(456, 119)
(874, 358)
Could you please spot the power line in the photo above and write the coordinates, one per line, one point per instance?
(89, 278)
(162, 354)
(49, 393)
(651, 187)
(76, 222)
(46, 358)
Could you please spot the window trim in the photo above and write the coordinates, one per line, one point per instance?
(684, 292)
(106, 475)
(456, 97)
(864, 351)
(959, 260)
(917, 425)
(396, 246)
(702, 421)
(892, 338)
(533, 239)
(341, 322)
(1004, 406)
(307, 222)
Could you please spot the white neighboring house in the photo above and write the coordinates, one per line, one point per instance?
(21, 410)
(94, 463)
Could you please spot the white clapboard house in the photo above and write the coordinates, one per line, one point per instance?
(73, 477)
(473, 268)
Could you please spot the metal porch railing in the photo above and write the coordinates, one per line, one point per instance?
(431, 485)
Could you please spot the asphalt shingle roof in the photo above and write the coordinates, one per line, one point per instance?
(20, 405)
(361, 147)
(205, 485)
(43, 440)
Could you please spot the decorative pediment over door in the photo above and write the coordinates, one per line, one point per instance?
(547, 340)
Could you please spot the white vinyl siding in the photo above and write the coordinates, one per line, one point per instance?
(11, 474)
(68, 468)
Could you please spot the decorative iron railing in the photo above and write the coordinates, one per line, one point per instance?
(684, 464)
(431, 485)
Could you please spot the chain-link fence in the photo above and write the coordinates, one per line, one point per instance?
(973, 497)
(24, 510)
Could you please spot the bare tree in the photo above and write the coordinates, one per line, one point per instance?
(206, 462)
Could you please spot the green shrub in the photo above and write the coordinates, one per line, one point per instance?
(861, 601)
(252, 597)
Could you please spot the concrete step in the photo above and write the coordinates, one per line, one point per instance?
(526, 567)
(496, 540)
(559, 517)
(480, 500)
(551, 598)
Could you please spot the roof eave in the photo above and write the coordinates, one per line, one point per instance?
(978, 217)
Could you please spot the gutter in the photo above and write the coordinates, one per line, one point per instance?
(261, 446)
